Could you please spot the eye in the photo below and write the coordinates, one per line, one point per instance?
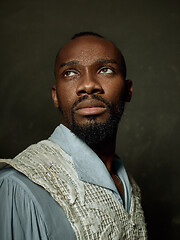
(70, 73)
(106, 70)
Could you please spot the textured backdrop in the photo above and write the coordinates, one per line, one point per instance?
(147, 32)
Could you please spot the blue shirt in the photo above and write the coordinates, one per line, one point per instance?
(27, 210)
(89, 166)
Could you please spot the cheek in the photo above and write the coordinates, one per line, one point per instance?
(115, 92)
(65, 96)
(65, 104)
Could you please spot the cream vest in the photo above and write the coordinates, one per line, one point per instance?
(93, 211)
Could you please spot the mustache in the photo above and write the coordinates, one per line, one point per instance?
(93, 96)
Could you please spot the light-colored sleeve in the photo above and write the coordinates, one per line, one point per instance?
(19, 216)
(28, 212)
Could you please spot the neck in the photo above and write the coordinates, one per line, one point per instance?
(106, 151)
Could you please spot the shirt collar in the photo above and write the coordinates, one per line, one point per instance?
(88, 165)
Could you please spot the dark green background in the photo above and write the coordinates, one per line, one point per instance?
(147, 32)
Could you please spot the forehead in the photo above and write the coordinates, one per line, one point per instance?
(88, 49)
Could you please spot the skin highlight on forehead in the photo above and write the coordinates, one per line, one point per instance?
(84, 48)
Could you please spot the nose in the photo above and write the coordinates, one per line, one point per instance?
(88, 84)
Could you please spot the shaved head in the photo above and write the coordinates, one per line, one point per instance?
(92, 34)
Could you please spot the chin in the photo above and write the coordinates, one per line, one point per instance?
(93, 131)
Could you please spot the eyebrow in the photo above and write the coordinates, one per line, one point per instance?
(69, 63)
(105, 61)
(100, 60)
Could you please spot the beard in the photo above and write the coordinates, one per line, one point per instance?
(94, 132)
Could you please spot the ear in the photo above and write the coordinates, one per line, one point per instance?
(128, 90)
(54, 96)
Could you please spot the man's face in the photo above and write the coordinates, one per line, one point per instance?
(90, 89)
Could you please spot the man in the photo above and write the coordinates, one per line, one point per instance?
(73, 186)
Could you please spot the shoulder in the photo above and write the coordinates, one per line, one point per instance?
(42, 147)
(19, 208)
(11, 178)
(41, 153)
(18, 188)
(29, 204)
(6, 172)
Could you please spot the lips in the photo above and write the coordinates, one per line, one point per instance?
(90, 107)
